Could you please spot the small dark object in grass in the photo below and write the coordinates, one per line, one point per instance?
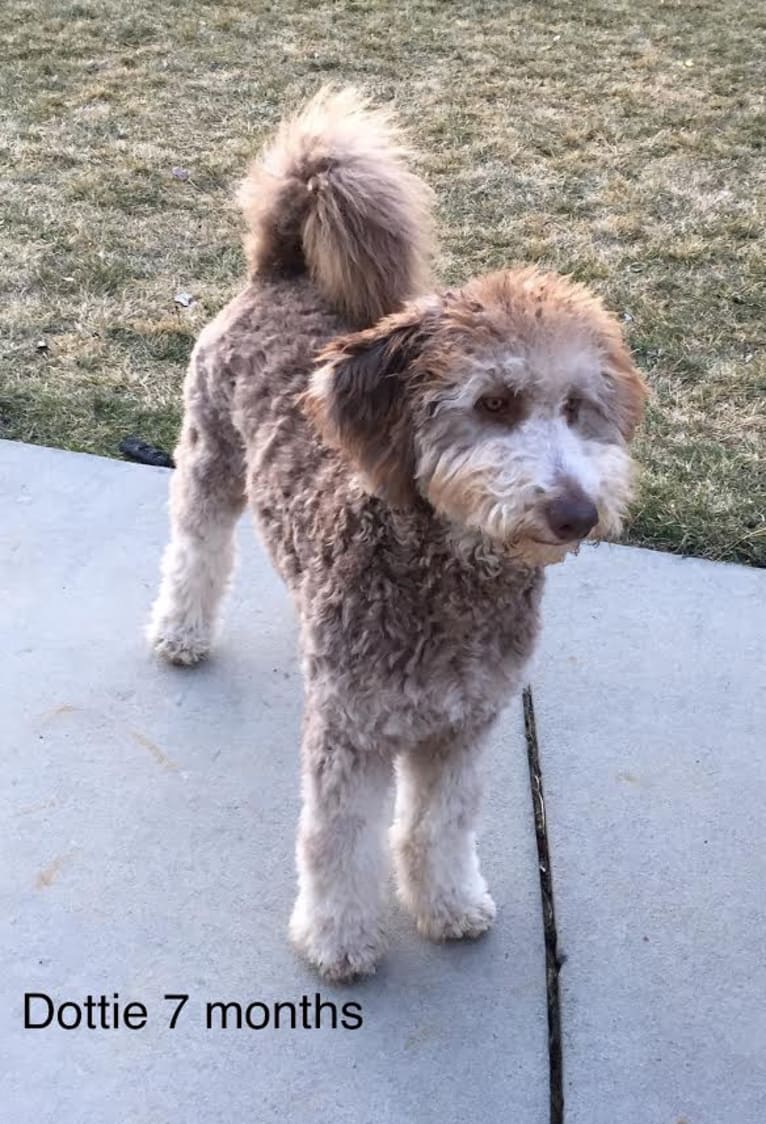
(136, 450)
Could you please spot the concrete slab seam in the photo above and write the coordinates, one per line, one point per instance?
(553, 960)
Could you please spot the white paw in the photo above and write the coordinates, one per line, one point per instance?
(341, 948)
(447, 919)
(178, 643)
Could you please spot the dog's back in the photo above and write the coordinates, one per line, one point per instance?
(339, 235)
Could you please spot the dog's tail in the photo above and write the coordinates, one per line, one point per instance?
(332, 196)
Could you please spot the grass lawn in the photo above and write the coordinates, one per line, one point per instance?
(615, 140)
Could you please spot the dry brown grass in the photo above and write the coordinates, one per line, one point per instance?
(617, 141)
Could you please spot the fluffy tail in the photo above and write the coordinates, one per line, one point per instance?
(332, 196)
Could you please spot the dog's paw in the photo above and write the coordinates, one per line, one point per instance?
(447, 919)
(178, 644)
(340, 948)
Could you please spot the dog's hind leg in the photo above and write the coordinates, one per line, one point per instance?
(434, 841)
(207, 496)
(341, 852)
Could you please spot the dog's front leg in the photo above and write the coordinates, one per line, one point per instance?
(434, 841)
(340, 852)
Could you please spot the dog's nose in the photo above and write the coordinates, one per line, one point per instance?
(571, 515)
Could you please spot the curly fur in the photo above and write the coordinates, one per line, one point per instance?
(333, 196)
(410, 521)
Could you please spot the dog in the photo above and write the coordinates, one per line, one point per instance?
(414, 459)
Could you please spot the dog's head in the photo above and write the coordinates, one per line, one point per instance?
(508, 405)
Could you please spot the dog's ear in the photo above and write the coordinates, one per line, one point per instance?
(631, 392)
(627, 392)
(360, 398)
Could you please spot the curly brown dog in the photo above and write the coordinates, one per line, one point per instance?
(413, 462)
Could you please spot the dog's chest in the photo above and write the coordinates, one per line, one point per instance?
(408, 659)
(467, 666)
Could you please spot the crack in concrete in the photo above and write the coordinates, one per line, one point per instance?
(553, 960)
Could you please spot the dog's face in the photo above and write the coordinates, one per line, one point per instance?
(508, 405)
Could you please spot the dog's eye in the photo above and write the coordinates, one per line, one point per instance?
(493, 404)
(572, 409)
(503, 407)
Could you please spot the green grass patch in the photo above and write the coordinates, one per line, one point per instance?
(620, 142)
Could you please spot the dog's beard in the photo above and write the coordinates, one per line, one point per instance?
(506, 507)
(494, 506)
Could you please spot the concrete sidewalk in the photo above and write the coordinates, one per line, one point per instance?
(650, 699)
(149, 817)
